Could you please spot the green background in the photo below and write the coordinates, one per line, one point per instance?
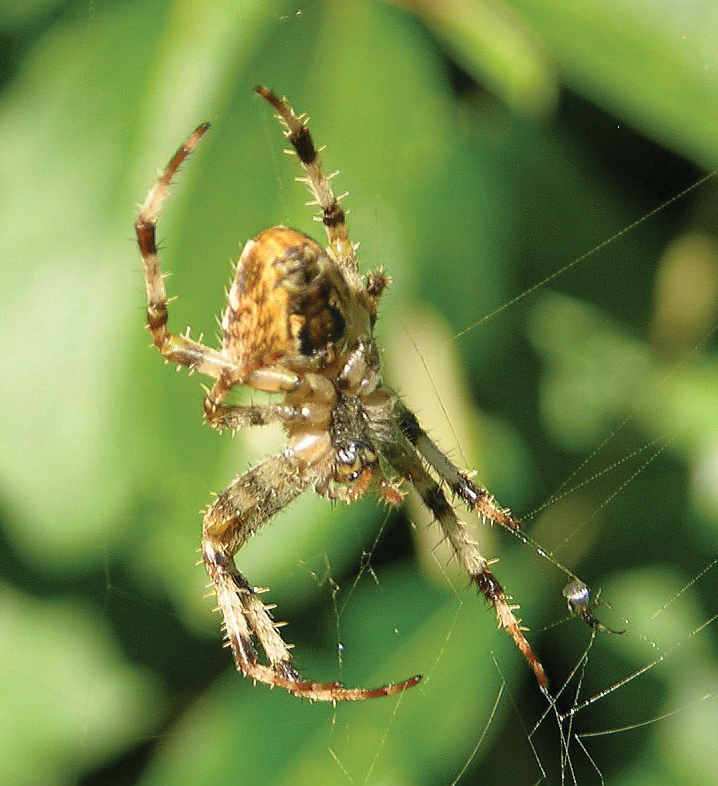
(485, 147)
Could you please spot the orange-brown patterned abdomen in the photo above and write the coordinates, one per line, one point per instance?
(288, 298)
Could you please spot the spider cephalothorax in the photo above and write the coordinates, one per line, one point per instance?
(298, 323)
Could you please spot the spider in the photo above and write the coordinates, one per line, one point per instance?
(299, 323)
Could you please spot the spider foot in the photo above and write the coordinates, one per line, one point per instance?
(283, 675)
(335, 691)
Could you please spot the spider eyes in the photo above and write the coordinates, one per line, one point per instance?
(353, 457)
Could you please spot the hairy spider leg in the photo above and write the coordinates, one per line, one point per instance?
(234, 517)
(174, 348)
(480, 500)
(408, 463)
(476, 498)
(333, 216)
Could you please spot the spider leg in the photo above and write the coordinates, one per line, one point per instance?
(223, 417)
(175, 348)
(408, 463)
(333, 217)
(312, 392)
(474, 496)
(236, 515)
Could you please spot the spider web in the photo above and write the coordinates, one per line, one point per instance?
(609, 697)
(628, 687)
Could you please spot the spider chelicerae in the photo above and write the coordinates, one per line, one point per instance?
(299, 322)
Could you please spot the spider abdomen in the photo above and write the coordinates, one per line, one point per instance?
(287, 299)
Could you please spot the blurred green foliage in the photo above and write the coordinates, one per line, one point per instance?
(485, 146)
